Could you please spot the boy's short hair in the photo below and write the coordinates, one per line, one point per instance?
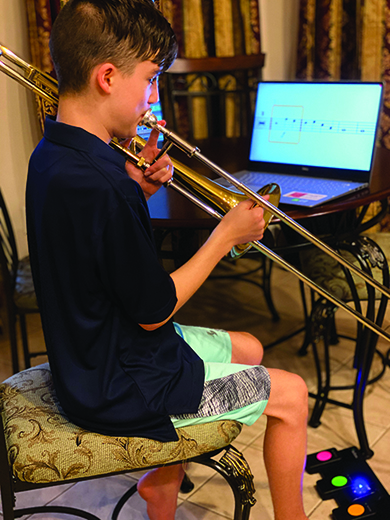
(122, 32)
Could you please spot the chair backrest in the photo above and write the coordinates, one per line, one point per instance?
(8, 249)
(211, 97)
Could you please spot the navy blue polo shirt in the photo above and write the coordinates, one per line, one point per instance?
(97, 276)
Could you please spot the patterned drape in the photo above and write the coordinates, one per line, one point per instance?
(203, 27)
(41, 15)
(213, 28)
(347, 39)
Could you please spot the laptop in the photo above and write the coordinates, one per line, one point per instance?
(315, 139)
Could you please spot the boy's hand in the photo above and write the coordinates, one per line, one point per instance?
(158, 174)
(244, 223)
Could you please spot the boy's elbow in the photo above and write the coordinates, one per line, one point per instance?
(154, 326)
(150, 326)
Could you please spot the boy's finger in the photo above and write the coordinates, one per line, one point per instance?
(153, 137)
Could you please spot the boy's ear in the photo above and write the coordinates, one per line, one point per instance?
(104, 75)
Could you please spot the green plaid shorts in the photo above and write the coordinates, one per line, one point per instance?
(231, 391)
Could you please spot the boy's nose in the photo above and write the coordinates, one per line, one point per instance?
(154, 95)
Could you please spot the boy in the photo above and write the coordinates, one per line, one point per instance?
(120, 365)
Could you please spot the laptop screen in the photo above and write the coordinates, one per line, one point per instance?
(325, 128)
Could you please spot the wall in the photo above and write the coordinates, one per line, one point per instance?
(279, 30)
(19, 129)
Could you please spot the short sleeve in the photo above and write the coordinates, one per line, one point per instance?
(130, 267)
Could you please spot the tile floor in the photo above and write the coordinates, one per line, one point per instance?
(241, 306)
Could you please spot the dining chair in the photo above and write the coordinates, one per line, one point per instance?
(364, 252)
(216, 93)
(40, 448)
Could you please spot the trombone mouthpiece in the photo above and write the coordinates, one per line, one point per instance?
(150, 120)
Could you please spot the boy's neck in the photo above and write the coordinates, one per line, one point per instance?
(79, 111)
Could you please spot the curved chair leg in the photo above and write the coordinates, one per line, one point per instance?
(187, 485)
(306, 341)
(13, 341)
(362, 375)
(235, 470)
(55, 509)
(267, 268)
(321, 318)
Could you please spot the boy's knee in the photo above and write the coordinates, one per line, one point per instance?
(246, 348)
(289, 396)
(299, 391)
(298, 399)
(255, 347)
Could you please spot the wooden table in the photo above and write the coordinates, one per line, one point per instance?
(169, 209)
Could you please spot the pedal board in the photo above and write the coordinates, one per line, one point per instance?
(348, 479)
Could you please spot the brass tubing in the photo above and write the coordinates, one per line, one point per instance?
(26, 83)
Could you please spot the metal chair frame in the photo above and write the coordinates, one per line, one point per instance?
(321, 327)
(9, 262)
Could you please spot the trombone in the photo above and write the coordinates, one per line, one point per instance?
(205, 193)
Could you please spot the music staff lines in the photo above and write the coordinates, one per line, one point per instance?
(288, 124)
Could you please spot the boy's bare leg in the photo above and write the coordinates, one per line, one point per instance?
(159, 488)
(286, 432)
(285, 443)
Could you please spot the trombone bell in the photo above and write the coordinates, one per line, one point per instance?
(273, 190)
(224, 199)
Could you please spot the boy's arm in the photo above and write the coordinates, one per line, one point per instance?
(241, 225)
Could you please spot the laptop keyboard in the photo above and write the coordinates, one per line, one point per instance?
(295, 183)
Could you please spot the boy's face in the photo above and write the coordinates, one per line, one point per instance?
(134, 95)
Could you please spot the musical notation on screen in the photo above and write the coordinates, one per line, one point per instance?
(288, 129)
(286, 124)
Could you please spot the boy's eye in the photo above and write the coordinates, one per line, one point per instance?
(153, 80)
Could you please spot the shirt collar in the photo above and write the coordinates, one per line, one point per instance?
(79, 139)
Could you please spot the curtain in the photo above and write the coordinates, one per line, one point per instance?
(347, 39)
(41, 15)
(213, 28)
(234, 27)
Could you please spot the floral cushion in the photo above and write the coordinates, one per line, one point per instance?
(44, 446)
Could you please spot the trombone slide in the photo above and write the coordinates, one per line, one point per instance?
(46, 87)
